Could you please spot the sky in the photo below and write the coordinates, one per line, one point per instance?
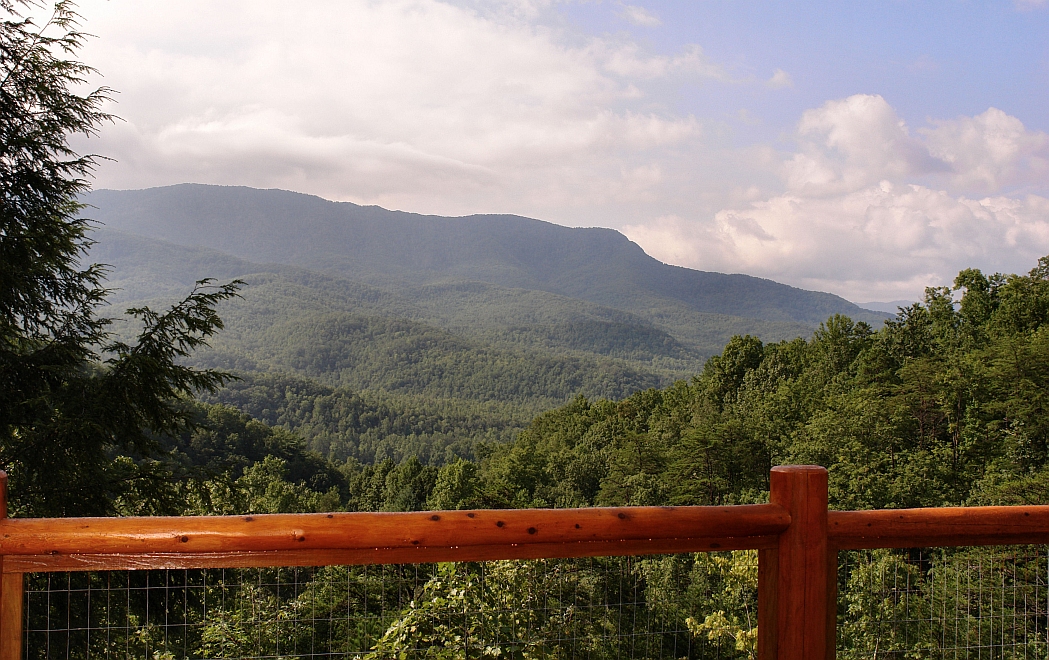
(869, 149)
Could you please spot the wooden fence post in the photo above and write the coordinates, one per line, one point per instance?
(11, 593)
(768, 583)
(802, 566)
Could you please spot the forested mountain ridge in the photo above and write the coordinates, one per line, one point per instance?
(370, 427)
(381, 247)
(144, 269)
(377, 313)
(945, 405)
(529, 350)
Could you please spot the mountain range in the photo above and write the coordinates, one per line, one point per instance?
(494, 310)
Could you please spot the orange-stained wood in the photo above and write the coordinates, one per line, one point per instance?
(11, 594)
(10, 597)
(768, 577)
(801, 611)
(955, 526)
(358, 531)
(81, 562)
(832, 603)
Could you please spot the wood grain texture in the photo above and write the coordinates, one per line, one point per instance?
(801, 611)
(11, 594)
(272, 558)
(359, 531)
(768, 578)
(832, 603)
(954, 526)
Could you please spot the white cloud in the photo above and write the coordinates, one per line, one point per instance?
(628, 60)
(779, 80)
(408, 103)
(990, 151)
(639, 16)
(873, 212)
(849, 144)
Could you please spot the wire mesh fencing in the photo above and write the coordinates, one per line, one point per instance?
(668, 606)
(974, 603)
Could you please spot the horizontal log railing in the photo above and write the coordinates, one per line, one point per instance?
(462, 535)
(946, 527)
(797, 539)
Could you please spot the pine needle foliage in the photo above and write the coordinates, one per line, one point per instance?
(80, 412)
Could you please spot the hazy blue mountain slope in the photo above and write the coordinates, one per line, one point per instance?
(500, 313)
(140, 268)
(386, 247)
(145, 269)
(396, 355)
(347, 334)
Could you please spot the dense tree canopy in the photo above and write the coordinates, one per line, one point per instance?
(944, 405)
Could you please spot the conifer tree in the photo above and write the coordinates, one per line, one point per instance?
(80, 412)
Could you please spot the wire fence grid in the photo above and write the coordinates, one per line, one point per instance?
(985, 603)
(605, 607)
(974, 603)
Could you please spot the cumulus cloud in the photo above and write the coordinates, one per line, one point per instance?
(848, 144)
(414, 104)
(873, 210)
(989, 151)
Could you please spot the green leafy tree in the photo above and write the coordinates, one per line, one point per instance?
(456, 487)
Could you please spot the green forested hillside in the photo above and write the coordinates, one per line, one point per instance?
(942, 405)
(148, 269)
(479, 343)
(390, 249)
(401, 356)
(370, 427)
(945, 405)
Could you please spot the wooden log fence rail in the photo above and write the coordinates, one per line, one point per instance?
(796, 536)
